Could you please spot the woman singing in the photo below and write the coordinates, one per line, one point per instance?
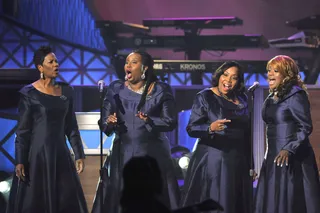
(46, 177)
(219, 167)
(139, 111)
(288, 181)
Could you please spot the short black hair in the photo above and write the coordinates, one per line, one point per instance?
(240, 87)
(40, 54)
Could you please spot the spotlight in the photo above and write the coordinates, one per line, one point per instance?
(181, 158)
(5, 186)
(184, 162)
(182, 154)
(179, 151)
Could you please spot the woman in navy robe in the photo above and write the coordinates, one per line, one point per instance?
(139, 111)
(46, 177)
(288, 180)
(219, 167)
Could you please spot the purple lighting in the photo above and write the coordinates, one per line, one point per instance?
(190, 18)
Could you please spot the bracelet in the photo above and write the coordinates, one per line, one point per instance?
(210, 131)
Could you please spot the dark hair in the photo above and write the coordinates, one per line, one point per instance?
(40, 54)
(240, 88)
(141, 178)
(150, 76)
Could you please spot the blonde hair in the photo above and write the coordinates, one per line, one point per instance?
(289, 70)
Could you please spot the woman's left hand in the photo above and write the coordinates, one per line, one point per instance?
(80, 165)
(282, 157)
(142, 116)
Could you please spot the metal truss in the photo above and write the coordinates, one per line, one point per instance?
(9, 127)
(79, 65)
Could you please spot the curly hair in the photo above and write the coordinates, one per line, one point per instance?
(289, 70)
(240, 87)
(40, 54)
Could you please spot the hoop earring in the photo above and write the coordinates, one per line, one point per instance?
(41, 75)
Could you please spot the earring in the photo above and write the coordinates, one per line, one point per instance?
(143, 76)
(41, 75)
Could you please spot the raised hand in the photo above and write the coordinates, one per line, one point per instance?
(219, 125)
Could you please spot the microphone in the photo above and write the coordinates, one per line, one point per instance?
(101, 85)
(254, 86)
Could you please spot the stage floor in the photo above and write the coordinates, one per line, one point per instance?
(89, 178)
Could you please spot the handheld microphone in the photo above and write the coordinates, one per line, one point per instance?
(254, 86)
(101, 85)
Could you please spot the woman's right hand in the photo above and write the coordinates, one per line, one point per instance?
(218, 125)
(112, 119)
(20, 171)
